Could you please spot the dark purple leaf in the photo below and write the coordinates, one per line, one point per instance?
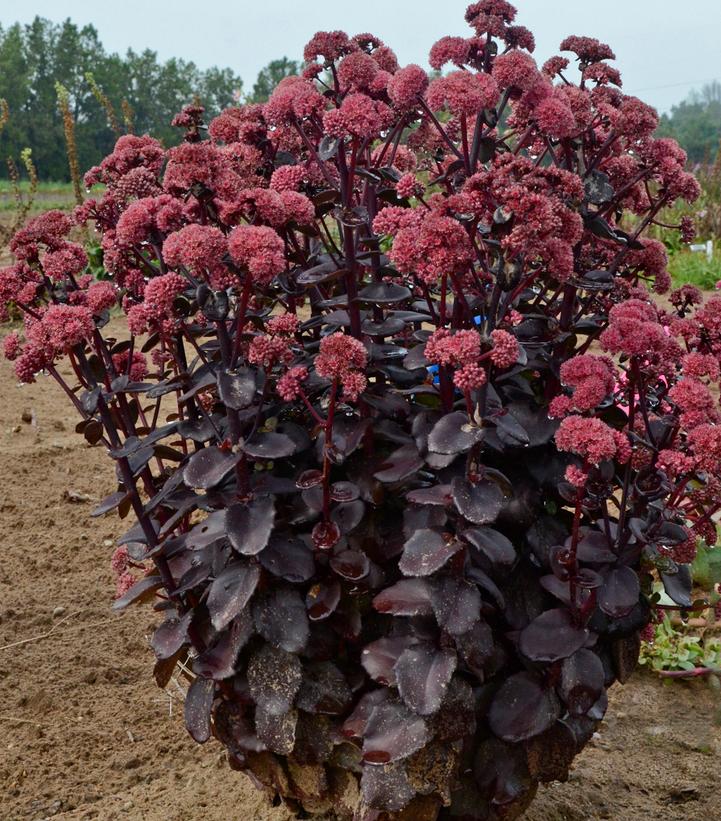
(562, 590)
(456, 718)
(384, 293)
(236, 388)
(249, 525)
(277, 732)
(344, 492)
(619, 593)
(401, 464)
(486, 583)
(324, 690)
(206, 532)
(281, 618)
(427, 551)
(453, 434)
(316, 739)
(289, 559)
(208, 467)
(197, 430)
(233, 729)
(348, 516)
(380, 656)
(110, 503)
(274, 679)
(170, 636)
(309, 479)
(678, 585)
(355, 725)
(324, 272)
(392, 733)
(348, 433)
(510, 431)
(325, 535)
(197, 709)
(522, 708)
(230, 592)
(386, 787)
(594, 547)
(350, 564)
(142, 590)
(456, 605)
(501, 772)
(495, 551)
(582, 680)
(408, 597)
(218, 661)
(270, 446)
(436, 495)
(422, 677)
(213, 304)
(475, 647)
(479, 503)
(552, 636)
(322, 599)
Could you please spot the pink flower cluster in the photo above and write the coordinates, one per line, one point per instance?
(592, 439)
(464, 94)
(202, 250)
(157, 309)
(276, 346)
(592, 379)
(461, 351)
(259, 249)
(344, 359)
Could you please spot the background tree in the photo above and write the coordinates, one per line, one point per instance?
(696, 123)
(37, 56)
(270, 76)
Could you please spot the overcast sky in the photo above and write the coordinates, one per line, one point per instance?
(664, 48)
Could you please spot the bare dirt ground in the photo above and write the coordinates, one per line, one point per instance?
(85, 734)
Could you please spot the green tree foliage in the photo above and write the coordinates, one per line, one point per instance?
(696, 123)
(34, 57)
(270, 76)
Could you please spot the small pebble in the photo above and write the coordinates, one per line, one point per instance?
(58, 611)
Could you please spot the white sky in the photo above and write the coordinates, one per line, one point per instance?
(664, 48)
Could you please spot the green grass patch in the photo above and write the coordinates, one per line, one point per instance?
(689, 267)
(49, 195)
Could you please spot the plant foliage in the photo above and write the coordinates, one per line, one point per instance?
(405, 434)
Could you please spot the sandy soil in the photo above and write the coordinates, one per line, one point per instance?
(85, 733)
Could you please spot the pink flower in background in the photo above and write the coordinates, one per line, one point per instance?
(592, 439)
(68, 259)
(505, 349)
(340, 354)
(407, 85)
(289, 385)
(463, 93)
(588, 49)
(458, 349)
(515, 69)
(454, 50)
(138, 365)
(12, 346)
(100, 297)
(259, 249)
(199, 248)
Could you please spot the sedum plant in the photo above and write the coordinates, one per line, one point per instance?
(406, 435)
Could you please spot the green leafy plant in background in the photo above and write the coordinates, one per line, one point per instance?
(677, 650)
(688, 649)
